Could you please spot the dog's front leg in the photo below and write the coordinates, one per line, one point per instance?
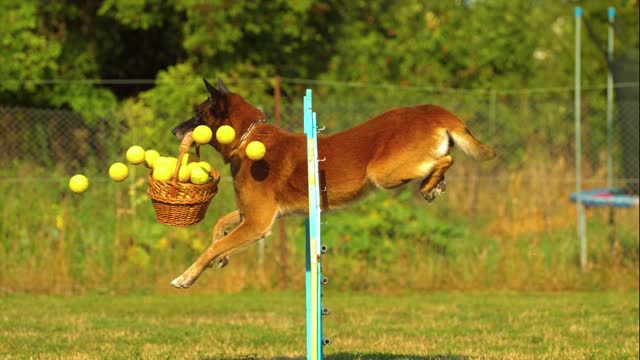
(250, 229)
(223, 226)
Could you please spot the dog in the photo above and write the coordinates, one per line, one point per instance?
(387, 151)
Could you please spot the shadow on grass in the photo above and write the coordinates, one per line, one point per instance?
(350, 356)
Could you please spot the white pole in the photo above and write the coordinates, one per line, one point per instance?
(612, 13)
(582, 233)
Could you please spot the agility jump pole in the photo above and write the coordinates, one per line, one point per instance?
(314, 249)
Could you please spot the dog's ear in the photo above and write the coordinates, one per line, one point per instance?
(217, 97)
(218, 102)
(213, 92)
(222, 88)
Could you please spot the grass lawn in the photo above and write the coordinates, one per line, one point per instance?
(597, 325)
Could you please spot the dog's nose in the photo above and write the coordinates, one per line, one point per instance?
(178, 132)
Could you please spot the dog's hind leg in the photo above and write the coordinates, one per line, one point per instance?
(391, 174)
(223, 226)
(434, 183)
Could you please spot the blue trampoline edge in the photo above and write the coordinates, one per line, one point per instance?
(614, 197)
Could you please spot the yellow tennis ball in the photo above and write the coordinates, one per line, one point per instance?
(78, 183)
(118, 171)
(166, 161)
(160, 161)
(162, 172)
(150, 157)
(135, 155)
(184, 174)
(255, 150)
(188, 158)
(172, 161)
(225, 134)
(199, 176)
(202, 134)
(206, 166)
(193, 164)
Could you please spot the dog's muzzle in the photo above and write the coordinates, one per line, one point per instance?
(185, 127)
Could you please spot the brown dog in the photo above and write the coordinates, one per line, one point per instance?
(389, 150)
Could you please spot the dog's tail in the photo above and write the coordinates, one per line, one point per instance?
(470, 145)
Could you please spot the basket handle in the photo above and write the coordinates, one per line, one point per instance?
(185, 145)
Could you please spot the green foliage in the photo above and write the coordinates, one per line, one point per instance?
(28, 53)
(284, 36)
(486, 44)
(141, 14)
(382, 228)
(93, 103)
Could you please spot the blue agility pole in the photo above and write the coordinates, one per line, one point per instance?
(313, 247)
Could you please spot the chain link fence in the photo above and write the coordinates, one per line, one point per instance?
(532, 131)
(53, 139)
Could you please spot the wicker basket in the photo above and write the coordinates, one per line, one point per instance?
(181, 204)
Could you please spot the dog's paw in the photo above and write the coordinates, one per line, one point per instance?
(436, 191)
(223, 261)
(182, 282)
(441, 188)
(430, 196)
(220, 262)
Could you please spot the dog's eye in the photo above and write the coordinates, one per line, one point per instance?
(198, 113)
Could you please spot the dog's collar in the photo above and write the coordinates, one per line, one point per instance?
(246, 134)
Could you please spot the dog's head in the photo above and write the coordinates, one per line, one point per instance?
(221, 108)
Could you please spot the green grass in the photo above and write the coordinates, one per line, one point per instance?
(597, 325)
